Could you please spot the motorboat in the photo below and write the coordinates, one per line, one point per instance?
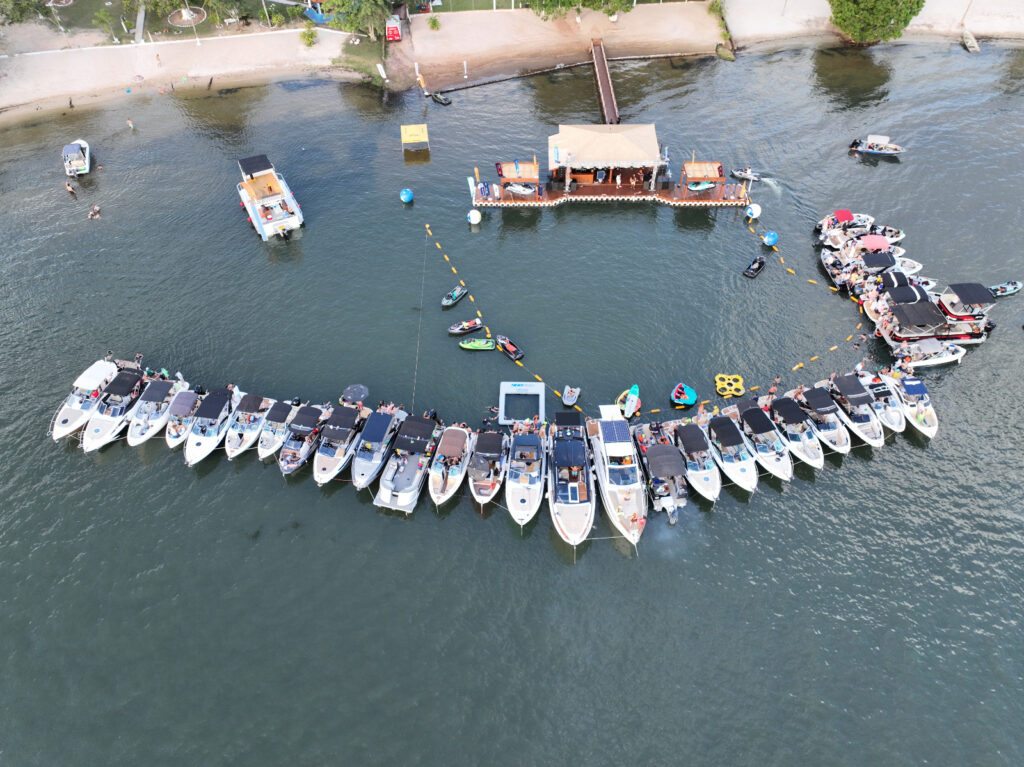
(764, 439)
(797, 431)
(730, 452)
(211, 423)
(855, 248)
(246, 424)
(701, 470)
(524, 488)
(478, 344)
(154, 409)
(275, 427)
(842, 216)
(113, 410)
(887, 405)
(407, 468)
(571, 500)
(969, 42)
(487, 466)
(618, 472)
(889, 297)
(747, 174)
(570, 394)
(915, 322)
(181, 415)
(454, 295)
(466, 326)
(966, 302)
(876, 144)
(440, 98)
(856, 409)
(916, 404)
(756, 267)
(521, 189)
(80, 404)
(665, 468)
(835, 238)
(339, 441)
(1004, 289)
(266, 197)
(374, 444)
(929, 352)
(509, 348)
(824, 418)
(302, 439)
(450, 464)
(77, 159)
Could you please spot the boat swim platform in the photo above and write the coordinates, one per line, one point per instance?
(726, 196)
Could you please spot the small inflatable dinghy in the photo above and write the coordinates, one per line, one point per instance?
(1006, 288)
(756, 267)
(683, 395)
(569, 395)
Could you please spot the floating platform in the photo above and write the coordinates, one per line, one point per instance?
(724, 196)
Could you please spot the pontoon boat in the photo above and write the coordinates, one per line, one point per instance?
(267, 199)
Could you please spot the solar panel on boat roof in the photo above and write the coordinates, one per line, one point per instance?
(615, 431)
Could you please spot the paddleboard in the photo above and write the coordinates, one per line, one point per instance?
(632, 401)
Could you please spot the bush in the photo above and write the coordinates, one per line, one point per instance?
(871, 22)
(715, 7)
(308, 35)
(434, 22)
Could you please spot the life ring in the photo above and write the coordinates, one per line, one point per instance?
(729, 385)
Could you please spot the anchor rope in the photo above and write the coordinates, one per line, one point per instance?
(419, 328)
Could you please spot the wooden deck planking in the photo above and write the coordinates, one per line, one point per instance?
(605, 91)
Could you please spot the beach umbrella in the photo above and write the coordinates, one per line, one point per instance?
(355, 393)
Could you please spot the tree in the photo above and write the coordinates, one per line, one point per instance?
(556, 9)
(13, 11)
(610, 7)
(869, 21)
(368, 16)
(104, 19)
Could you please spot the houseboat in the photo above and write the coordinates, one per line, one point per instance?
(272, 209)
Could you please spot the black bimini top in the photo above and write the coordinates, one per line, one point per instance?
(692, 437)
(971, 293)
(725, 431)
(250, 403)
(307, 418)
(183, 403)
(820, 400)
(908, 294)
(341, 422)
(414, 434)
(789, 410)
(757, 421)
(250, 166)
(665, 461)
(891, 280)
(376, 427)
(570, 452)
(923, 314)
(569, 418)
(123, 383)
(213, 404)
(881, 260)
(852, 389)
(278, 412)
(489, 444)
(157, 391)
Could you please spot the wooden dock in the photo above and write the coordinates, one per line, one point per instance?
(605, 91)
(723, 196)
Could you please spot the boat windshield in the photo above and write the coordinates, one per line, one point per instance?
(622, 475)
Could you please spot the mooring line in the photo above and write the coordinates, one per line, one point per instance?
(419, 329)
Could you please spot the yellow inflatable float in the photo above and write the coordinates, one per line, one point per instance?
(729, 386)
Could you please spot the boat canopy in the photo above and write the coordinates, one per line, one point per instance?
(757, 421)
(692, 437)
(453, 443)
(94, 375)
(747, 404)
(254, 166)
(489, 443)
(123, 383)
(924, 314)
(570, 452)
(340, 424)
(908, 294)
(414, 434)
(725, 431)
(525, 440)
(569, 418)
(852, 389)
(213, 404)
(878, 260)
(183, 403)
(874, 242)
(307, 417)
(820, 400)
(278, 412)
(928, 346)
(891, 280)
(842, 216)
(157, 391)
(971, 293)
(665, 461)
(789, 410)
(250, 403)
(914, 386)
(604, 146)
(72, 150)
(377, 426)
(876, 138)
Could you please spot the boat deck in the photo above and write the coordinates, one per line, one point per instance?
(722, 196)
(266, 185)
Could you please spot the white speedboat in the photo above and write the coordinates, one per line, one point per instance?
(115, 408)
(487, 466)
(876, 144)
(302, 439)
(450, 464)
(267, 198)
(836, 238)
(840, 217)
(154, 410)
(856, 409)
(181, 416)
(524, 488)
(76, 158)
(402, 480)
(74, 412)
(246, 424)
(929, 352)
(797, 431)
(701, 470)
(887, 406)
(338, 444)
(764, 440)
(908, 266)
(917, 405)
(731, 453)
(824, 417)
(275, 427)
(664, 466)
(374, 445)
(571, 500)
(617, 468)
(211, 423)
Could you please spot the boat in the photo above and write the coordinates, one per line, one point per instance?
(887, 406)
(154, 410)
(629, 401)
(916, 404)
(842, 216)
(374, 444)
(182, 414)
(1006, 288)
(521, 189)
(79, 405)
(440, 98)
(338, 443)
(856, 409)
(918, 321)
(406, 470)
(77, 158)
(478, 344)
(764, 439)
(618, 472)
(488, 464)
(834, 238)
(664, 466)
(466, 326)
(275, 427)
(730, 452)
(965, 301)
(266, 197)
(524, 488)
(683, 395)
(113, 410)
(748, 174)
(302, 439)
(797, 431)
(454, 295)
(929, 352)
(246, 424)
(701, 471)
(211, 423)
(969, 42)
(876, 144)
(509, 348)
(824, 418)
(700, 186)
(855, 248)
(756, 267)
(569, 395)
(570, 480)
(450, 464)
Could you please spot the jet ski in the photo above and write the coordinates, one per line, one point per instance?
(756, 267)
(749, 174)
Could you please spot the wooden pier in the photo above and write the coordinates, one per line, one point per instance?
(605, 91)
(723, 196)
